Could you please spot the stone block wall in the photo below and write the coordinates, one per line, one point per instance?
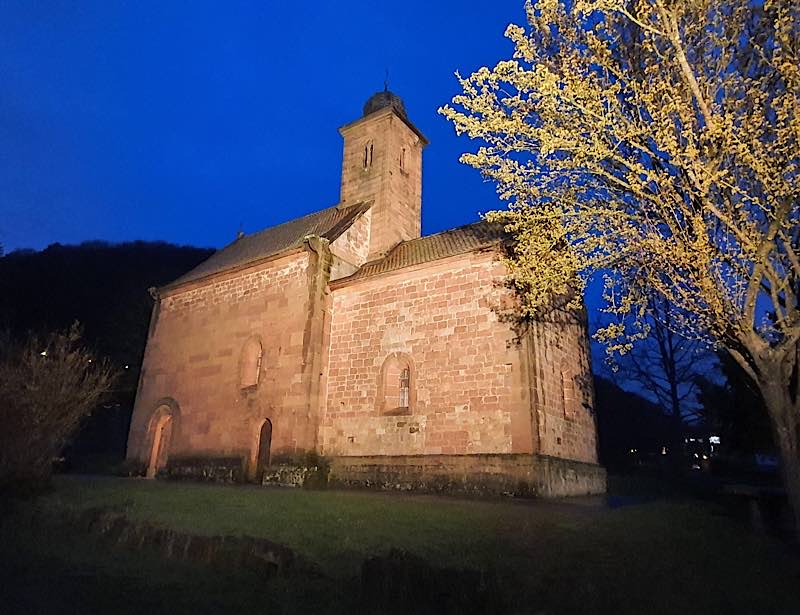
(563, 391)
(192, 363)
(520, 475)
(470, 390)
(352, 246)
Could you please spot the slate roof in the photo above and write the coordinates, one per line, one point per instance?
(455, 241)
(329, 223)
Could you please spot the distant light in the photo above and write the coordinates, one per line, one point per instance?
(705, 456)
(663, 450)
(43, 353)
(126, 367)
(714, 439)
(697, 455)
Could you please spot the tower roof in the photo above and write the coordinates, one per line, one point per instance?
(382, 99)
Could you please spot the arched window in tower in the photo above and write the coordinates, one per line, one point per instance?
(368, 150)
(251, 363)
(403, 159)
(396, 386)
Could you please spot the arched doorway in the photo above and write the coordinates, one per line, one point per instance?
(162, 435)
(264, 443)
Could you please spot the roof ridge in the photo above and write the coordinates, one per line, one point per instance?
(444, 232)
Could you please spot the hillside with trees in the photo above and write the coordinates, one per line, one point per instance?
(104, 287)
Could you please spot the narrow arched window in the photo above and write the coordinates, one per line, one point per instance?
(396, 386)
(403, 159)
(368, 150)
(251, 363)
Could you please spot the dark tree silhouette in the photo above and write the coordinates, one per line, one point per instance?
(668, 367)
(734, 409)
(631, 429)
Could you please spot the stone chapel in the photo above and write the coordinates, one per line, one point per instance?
(348, 334)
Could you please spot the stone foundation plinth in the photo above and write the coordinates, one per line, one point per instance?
(214, 469)
(284, 475)
(518, 475)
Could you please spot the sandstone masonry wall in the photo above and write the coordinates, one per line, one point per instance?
(563, 390)
(353, 245)
(193, 360)
(470, 392)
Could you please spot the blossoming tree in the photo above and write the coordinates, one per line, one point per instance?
(656, 143)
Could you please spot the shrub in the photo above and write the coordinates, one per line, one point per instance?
(47, 384)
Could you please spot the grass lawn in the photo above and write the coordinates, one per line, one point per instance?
(665, 556)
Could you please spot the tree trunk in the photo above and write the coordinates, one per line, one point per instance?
(677, 465)
(785, 416)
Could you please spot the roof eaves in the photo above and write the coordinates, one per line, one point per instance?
(386, 111)
(200, 280)
(338, 229)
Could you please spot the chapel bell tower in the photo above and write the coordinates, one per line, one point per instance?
(382, 162)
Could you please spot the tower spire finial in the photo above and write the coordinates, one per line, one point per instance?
(386, 81)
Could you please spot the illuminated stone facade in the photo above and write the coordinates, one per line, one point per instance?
(347, 334)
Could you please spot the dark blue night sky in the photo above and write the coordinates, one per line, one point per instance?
(182, 120)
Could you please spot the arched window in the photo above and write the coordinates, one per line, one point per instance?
(396, 386)
(368, 150)
(251, 363)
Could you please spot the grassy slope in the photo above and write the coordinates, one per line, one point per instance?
(661, 557)
(43, 571)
